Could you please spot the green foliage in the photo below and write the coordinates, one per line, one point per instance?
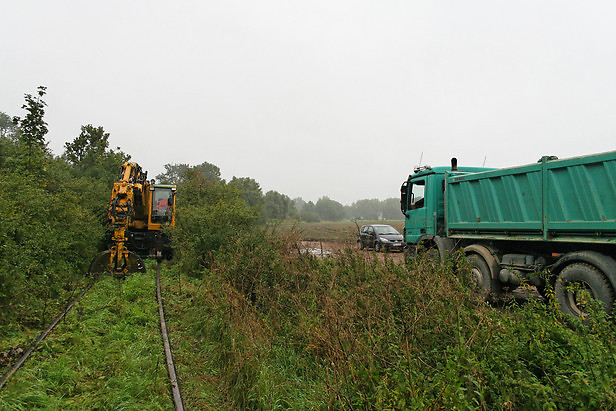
(354, 331)
(32, 130)
(366, 209)
(209, 214)
(277, 206)
(40, 251)
(53, 215)
(91, 158)
(373, 209)
(329, 210)
(249, 189)
(253, 369)
(106, 354)
(309, 213)
(176, 173)
(88, 147)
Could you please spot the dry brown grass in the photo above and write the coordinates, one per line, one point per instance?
(334, 231)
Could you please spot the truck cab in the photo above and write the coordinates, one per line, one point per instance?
(422, 201)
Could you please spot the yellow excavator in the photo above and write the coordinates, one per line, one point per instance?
(138, 210)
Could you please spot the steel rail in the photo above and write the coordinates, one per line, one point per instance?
(175, 387)
(44, 335)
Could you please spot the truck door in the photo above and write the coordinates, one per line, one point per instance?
(417, 219)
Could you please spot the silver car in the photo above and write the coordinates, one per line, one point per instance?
(380, 237)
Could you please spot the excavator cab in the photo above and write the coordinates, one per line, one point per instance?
(162, 205)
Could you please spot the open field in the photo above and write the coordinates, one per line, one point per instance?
(342, 232)
(327, 237)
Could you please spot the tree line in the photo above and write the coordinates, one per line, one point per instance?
(277, 206)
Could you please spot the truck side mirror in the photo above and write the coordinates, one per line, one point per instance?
(404, 190)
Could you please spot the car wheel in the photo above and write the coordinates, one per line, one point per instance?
(377, 247)
(361, 244)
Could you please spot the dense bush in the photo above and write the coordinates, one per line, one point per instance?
(356, 332)
(209, 214)
(53, 214)
(48, 236)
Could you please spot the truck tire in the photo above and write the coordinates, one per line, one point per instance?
(361, 245)
(480, 274)
(589, 279)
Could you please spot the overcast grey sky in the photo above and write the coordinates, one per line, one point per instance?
(315, 98)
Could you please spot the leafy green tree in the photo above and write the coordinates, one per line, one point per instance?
(367, 209)
(210, 214)
(48, 235)
(174, 173)
(52, 217)
(86, 149)
(95, 165)
(249, 189)
(309, 213)
(329, 210)
(276, 206)
(209, 171)
(33, 128)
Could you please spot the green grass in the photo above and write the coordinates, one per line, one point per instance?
(107, 354)
(199, 376)
(221, 369)
(263, 327)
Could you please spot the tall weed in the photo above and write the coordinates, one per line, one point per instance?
(294, 331)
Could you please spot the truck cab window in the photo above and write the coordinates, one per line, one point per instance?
(417, 194)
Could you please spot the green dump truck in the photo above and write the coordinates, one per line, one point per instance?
(554, 216)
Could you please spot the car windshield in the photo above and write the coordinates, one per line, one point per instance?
(385, 230)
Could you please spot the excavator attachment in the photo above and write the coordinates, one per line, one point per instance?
(117, 264)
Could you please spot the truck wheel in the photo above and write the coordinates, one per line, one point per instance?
(480, 274)
(577, 282)
(361, 245)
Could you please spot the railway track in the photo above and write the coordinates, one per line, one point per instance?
(44, 334)
(173, 380)
(175, 388)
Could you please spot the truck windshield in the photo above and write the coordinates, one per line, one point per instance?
(162, 203)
